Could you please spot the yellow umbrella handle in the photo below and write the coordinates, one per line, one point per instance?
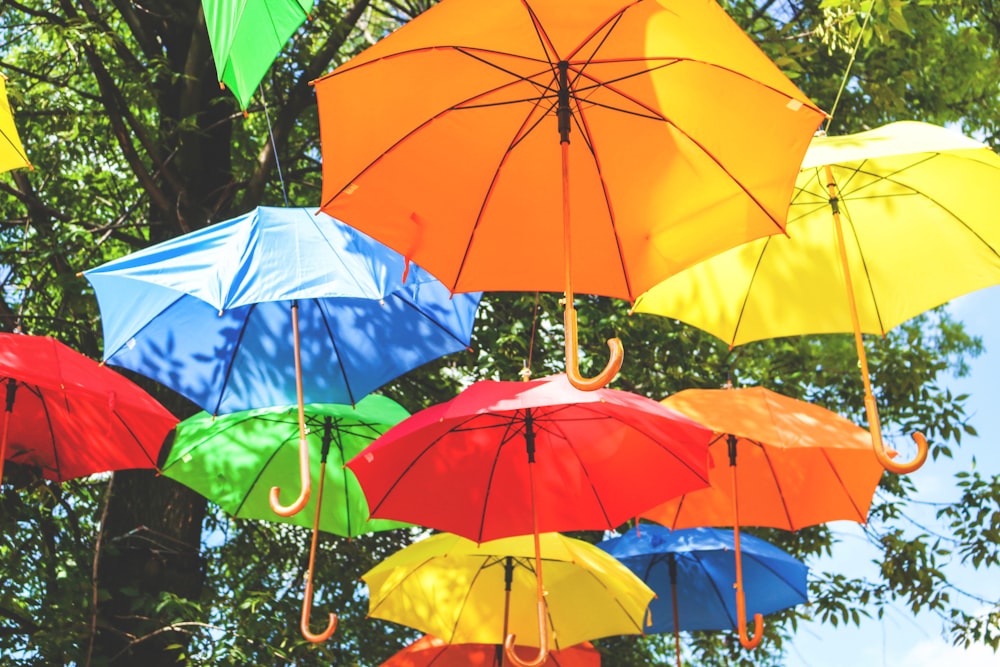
(572, 355)
(878, 447)
(305, 478)
(886, 457)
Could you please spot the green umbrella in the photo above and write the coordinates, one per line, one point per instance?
(235, 459)
(246, 37)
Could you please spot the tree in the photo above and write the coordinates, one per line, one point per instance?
(134, 142)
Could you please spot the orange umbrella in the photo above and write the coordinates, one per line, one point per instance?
(467, 139)
(791, 464)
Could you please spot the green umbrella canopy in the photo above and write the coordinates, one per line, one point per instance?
(246, 37)
(235, 459)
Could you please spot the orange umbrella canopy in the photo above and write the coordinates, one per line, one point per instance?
(796, 464)
(470, 137)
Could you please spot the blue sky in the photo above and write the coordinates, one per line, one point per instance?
(899, 638)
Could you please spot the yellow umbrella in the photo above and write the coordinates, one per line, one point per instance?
(11, 151)
(883, 225)
(462, 592)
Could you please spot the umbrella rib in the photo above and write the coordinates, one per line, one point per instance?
(427, 316)
(260, 471)
(232, 358)
(836, 473)
(618, 602)
(746, 296)
(507, 438)
(333, 341)
(412, 464)
(777, 483)
(48, 422)
(593, 487)
(766, 563)
(714, 584)
(135, 439)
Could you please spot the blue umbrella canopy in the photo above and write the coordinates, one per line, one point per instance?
(696, 567)
(208, 314)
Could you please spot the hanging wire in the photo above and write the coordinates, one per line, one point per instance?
(274, 146)
(847, 70)
(526, 371)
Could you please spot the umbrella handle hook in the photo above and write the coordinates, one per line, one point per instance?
(543, 649)
(885, 458)
(878, 446)
(306, 484)
(741, 622)
(307, 611)
(572, 355)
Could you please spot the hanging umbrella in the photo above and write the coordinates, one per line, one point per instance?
(901, 213)
(791, 464)
(462, 592)
(12, 153)
(655, 132)
(692, 573)
(69, 416)
(246, 37)
(430, 651)
(233, 460)
(241, 282)
(512, 458)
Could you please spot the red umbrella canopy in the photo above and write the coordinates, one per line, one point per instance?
(480, 464)
(430, 650)
(70, 416)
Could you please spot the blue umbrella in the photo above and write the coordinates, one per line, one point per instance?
(229, 316)
(693, 571)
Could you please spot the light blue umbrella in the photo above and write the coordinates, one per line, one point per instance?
(229, 315)
(693, 572)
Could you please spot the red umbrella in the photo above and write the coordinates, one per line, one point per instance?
(70, 416)
(430, 651)
(513, 458)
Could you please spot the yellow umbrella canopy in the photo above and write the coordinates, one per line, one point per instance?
(883, 225)
(451, 587)
(12, 153)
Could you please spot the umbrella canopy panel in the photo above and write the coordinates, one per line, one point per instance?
(601, 457)
(235, 459)
(660, 162)
(455, 589)
(71, 417)
(696, 568)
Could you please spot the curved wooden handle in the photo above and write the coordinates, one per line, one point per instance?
(306, 612)
(572, 356)
(305, 479)
(543, 650)
(890, 464)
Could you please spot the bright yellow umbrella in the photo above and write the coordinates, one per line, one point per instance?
(12, 153)
(902, 214)
(462, 592)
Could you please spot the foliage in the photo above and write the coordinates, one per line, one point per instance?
(133, 142)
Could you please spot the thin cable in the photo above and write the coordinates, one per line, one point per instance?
(526, 371)
(847, 70)
(274, 146)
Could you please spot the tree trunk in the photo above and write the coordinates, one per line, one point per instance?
(150, 545)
